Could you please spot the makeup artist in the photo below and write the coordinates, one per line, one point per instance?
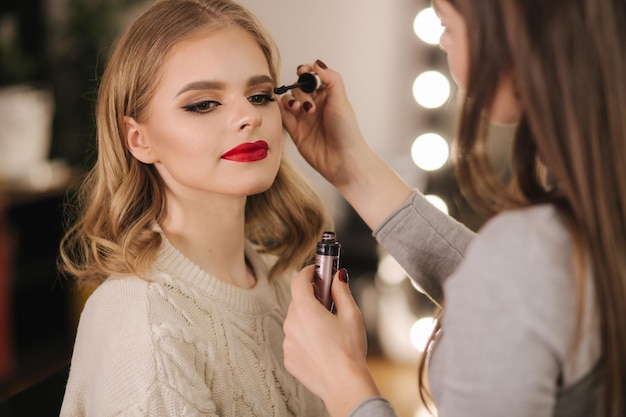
(534, 305)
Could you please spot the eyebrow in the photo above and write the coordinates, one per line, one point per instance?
(219, 85)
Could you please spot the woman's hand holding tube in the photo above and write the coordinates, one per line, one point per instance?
(325, 130)
(325, 351)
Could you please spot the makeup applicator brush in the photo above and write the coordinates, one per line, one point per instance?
(307, 82)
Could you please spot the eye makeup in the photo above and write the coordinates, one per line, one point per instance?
(307, 82)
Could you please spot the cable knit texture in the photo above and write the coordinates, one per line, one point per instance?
(185, 344)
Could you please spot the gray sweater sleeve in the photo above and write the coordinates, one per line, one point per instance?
(373, 407)
(511, 312)
(510, 321)
(427, 243)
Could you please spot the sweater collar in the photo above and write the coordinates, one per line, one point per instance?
(174, 269)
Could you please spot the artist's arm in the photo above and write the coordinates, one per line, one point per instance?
(427, 243)
(329, 138)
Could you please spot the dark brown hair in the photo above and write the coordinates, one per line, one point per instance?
(568, 62)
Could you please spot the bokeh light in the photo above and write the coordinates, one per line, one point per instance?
(390, 270)
(427, 26)
(431, 89)
(438, 202)
(430, 151)
(420, 332)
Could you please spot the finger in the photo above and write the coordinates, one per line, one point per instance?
(301, 285)
(319, 68)
(331, 81)
(297, 104)
(287, 101)
(290, 108)
(303, 101)
(327, 76)
(342, 296)
(305, 68)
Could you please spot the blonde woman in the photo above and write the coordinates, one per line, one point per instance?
(190, 224)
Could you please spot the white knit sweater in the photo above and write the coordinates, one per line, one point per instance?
(185, 344)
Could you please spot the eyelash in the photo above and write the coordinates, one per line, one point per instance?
(207, 106)
(202, 106)
(264, 99)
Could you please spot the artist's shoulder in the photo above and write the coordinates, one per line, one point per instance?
(541, 225)
(519, 251)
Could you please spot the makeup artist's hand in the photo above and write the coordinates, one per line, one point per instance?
(324, 128)
(325, 351)
(323, 125)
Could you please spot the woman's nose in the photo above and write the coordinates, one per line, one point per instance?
(246, 115)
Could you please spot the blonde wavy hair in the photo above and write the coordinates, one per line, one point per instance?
(109, 228)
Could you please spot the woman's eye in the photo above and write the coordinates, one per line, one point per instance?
(261, 99)
(202, 106)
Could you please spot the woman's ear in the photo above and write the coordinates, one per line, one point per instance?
(137, 144)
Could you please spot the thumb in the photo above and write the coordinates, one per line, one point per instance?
(340, 291)
(301, 284)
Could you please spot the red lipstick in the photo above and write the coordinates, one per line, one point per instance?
(248, 152)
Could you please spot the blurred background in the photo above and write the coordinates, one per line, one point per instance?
(52, 53)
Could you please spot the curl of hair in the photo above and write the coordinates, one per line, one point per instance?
(286, 218)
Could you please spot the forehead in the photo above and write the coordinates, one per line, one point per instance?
(225, 52)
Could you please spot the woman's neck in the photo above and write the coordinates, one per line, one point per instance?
(212, 237)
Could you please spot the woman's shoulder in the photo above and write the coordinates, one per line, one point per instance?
(523, 259)
(117, 305)
(520, 256)
(129, 316)
(540, 223)
(114, 325)
(118, 293)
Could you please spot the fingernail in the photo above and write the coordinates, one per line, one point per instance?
(298, 67)
(307, 106)
(290, 102)
(321, 64)
(343, 275)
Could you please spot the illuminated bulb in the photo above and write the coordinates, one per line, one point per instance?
(390, 271)
(422, 411)
(430, 151)
(420, 332)
(438, 202)
(427, 26)
(431, 89)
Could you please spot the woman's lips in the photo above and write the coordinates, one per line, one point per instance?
(248, 152)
